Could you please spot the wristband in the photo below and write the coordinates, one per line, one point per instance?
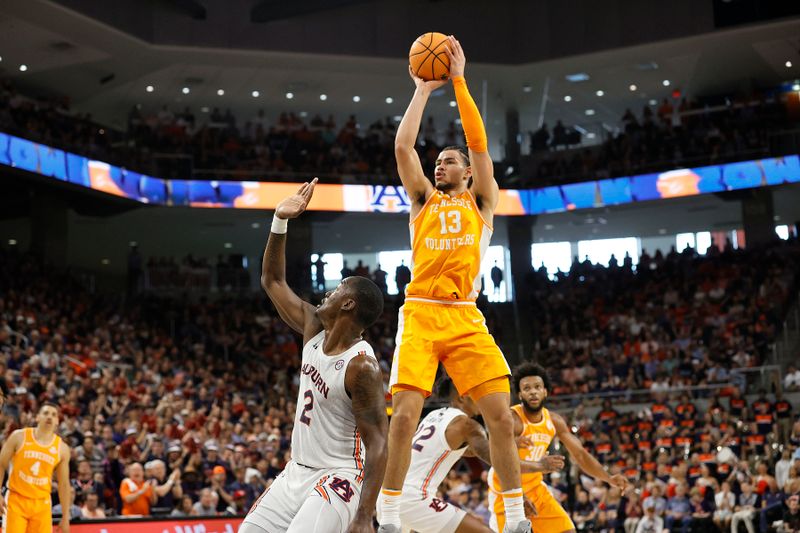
(279, 225)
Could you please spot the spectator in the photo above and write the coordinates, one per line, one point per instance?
(679, 510)
(137, 494)
(205, 506)
(725, 501)
(402, 277)
(224, 498)
(87, 482)
(168, 491)
(658, 502)
(749, 502)
(782, 468)
(791, 381)
(379, 277)
(585, 513)
(184, 507)
(239, 505)
(74, 509)
(91, 509)
(701, 509)
(651, 522)
(791, 516)
(497, 277)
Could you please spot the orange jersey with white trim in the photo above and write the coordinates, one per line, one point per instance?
(448, 240)
(32, 467)
(541, 435)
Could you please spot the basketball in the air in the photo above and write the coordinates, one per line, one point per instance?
(428, 58)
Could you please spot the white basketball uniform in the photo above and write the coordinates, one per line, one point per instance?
(320, 488)
(431, 460)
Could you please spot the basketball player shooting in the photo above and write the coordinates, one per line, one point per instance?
(451, 225)
(339, 437)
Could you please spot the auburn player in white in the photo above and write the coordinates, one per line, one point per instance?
(442, 438)
(535, 427)
(339, 436)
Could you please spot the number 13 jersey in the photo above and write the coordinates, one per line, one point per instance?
(448, 240)
(325, 434)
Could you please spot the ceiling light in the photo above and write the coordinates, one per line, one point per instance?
(568, 98)
(389, 99)
(255, 94)
(397, 118)
(527, 88)
(149, 88)
(23, 68)
(12, 242)
(356, 98)
(578, 76)
(796, 87)
(289, 96)
(204, 109)
(452, 103)
(303, 114)
(220, 92)
(600, 92)
(105, 261)
(589, 112)
(255, 225)
(185, 90)
(652, 101)
(788, 65)
(665, 83)
(662, 231)
(323, 97)
(590, 135)
(1, 58)
(228, 245)
(632, 87)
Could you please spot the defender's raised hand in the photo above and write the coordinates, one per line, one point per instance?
(294, 205)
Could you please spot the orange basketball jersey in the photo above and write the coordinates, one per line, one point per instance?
(32, 467)
(541, 435)
(448, 240)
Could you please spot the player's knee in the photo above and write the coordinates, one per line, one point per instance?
(501, 426)
(403, 424)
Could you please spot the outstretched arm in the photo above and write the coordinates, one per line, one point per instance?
(475, 437)
(364, 384)
(409, 167)
(300, 315)
(584, 459)
(484, 185)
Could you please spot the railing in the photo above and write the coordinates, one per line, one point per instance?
(742, 378)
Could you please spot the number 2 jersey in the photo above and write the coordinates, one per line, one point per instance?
(449, 238)
(431, 456)
(325, 433)
(541, 435)
(32, 467)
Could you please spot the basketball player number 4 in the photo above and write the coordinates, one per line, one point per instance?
(309, 398)
(451, 222)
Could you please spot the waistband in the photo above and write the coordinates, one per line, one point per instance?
(435, 301)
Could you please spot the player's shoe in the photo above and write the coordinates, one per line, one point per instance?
(522, 527)
(388, 528)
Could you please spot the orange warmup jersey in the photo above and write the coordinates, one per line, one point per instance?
(32, 467)
(448, 240)
(541, 435)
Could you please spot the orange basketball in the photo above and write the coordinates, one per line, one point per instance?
(428, 58)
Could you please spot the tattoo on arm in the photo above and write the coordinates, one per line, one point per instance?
(478, 441)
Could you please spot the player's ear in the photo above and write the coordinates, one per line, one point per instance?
(349, 304)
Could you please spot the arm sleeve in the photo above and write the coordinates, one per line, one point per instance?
(471, 120)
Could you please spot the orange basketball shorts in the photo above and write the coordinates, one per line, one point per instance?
(453, 333)
(550, 517)
(26, 515)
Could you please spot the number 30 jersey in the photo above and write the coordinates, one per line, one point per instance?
(32, 467)
(449, 238)
(325, 433)
(431, 456)
(541, 435)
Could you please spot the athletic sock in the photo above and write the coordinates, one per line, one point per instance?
(390, 510)
(515, 509)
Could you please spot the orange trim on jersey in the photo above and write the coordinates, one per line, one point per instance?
(424, 206)
(357, 456)
(438, 301)
(321, 491)
(432, 471)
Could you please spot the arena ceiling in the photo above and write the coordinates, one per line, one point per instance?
(105, 71)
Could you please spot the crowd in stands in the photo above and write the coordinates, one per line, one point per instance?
(678, 319)
(171, 143)
(185, 407)
(670, 135)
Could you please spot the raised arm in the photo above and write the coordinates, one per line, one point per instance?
(475, 437)
(484, 186)
(300, 315)
(584, 459)
(409, 167)
(364, 384)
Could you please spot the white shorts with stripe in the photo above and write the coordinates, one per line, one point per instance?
(427, 515)
(304, 499)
